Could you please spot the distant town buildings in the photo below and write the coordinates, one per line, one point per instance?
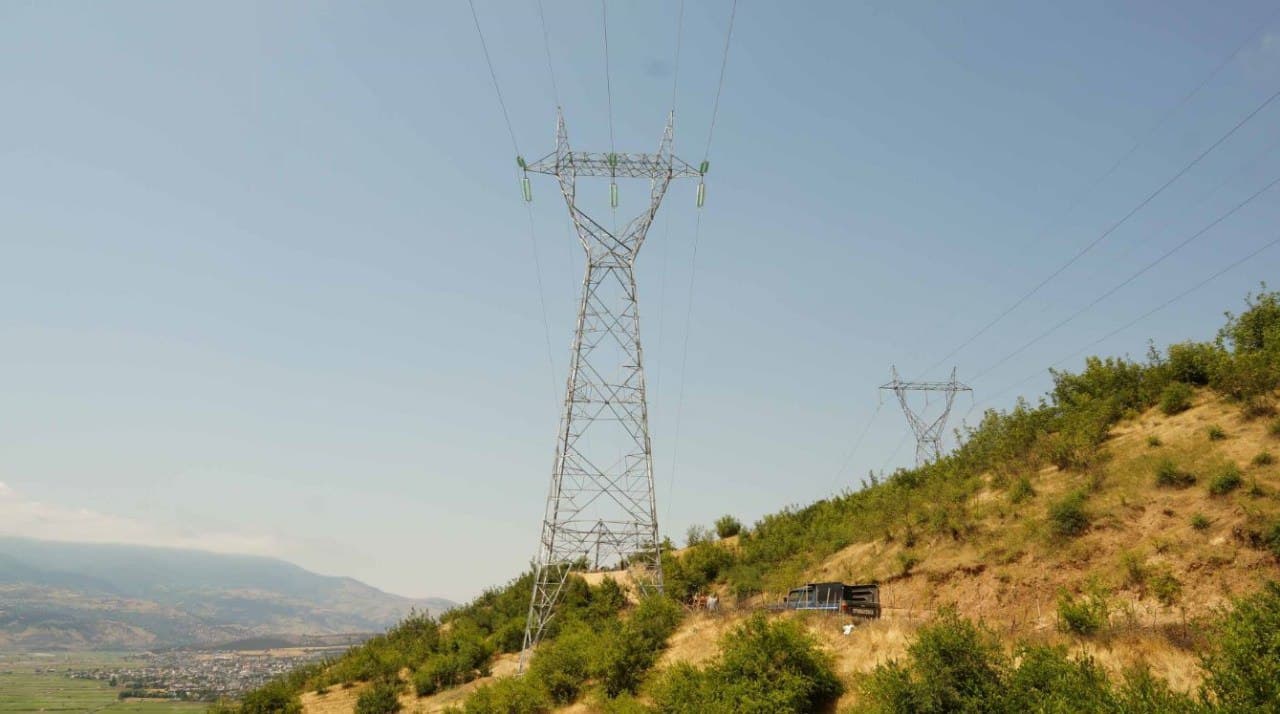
(196, 676)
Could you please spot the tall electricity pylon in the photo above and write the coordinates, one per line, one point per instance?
(928, 433)
(601, 511)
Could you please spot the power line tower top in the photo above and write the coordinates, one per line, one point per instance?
(928, 432)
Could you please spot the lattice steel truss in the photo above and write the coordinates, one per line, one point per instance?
(600, 510)
(928, 433)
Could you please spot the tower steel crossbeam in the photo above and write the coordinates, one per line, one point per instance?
(928, 432)
(601, 510)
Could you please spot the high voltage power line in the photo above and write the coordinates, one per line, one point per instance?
(693, 255)
(515, 146)
(1134, 276)
(1217, 274)
(1107, 174)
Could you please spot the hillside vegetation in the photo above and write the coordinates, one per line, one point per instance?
(1107, 548)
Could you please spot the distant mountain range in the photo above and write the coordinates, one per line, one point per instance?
(56, 595)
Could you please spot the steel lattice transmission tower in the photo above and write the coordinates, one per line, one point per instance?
(928, 433)
(601, 509)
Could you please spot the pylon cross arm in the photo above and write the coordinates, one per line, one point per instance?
(590, 163)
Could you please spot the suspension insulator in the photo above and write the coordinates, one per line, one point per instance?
(520, 162)
(702, 193)
(613, 195)
(526, 188)
(703, 168)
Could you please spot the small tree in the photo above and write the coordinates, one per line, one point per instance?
(1068, 516)
(1175, 398)
(727, 526)
(1243, 670)
(696, 534)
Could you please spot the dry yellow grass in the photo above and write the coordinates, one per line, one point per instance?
(1008, 571)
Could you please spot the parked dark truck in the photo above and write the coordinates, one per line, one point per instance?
(856, 600)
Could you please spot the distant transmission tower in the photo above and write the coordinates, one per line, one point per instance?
(928, 433)
(601, 510)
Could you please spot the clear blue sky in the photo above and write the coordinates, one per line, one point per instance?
(267, 281)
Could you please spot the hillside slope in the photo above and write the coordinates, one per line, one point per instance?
(1117, 540)
(85, 596)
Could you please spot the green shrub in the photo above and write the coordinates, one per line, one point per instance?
(1085, 615)
(383, 697)
(275, 697)
(628, 652)
(695, 569)
(1047, 680)
(1273, 540)
(1200, 521)
(727, 526)
(907, 561)
(1135, 569)
(1168, 475)
(952, 666)
(1141, 692)
(1176, 398)
(1227, 480)
(1242, 671)
(1021, 490)
(1215, 433)
(1067, 516)
(509, 695)
(1154, 441)
(563, 665)
(763, 667)
(696, 535)
(1193, 362)
(1263, 458)
(1166, 587)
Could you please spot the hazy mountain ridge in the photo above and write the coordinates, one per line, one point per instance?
(81, 595)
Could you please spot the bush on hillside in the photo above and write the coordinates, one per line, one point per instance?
(697, 535)
(272, 698)
(1273, 540)
(1227, 480)
(1263, 458)
(381, 698)
(727, 526)
(1192, 363)
(1168, 475)
(1199, 521)
(563, 665)
(1067, 516)
(1166, 587)
(1175, 398)
(952, 666)
(1135, 568)
(509, 695)
(693, 570)
(1257, 329)
(1215, 433)
(955, 666)
(1021, 490)
(629, 652)
(1243, 668)
(1084, 615)
(763, 668)
(1048, 680)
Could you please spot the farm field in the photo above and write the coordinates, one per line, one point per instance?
(24, 688)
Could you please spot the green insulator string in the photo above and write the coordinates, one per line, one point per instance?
(526, 188)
